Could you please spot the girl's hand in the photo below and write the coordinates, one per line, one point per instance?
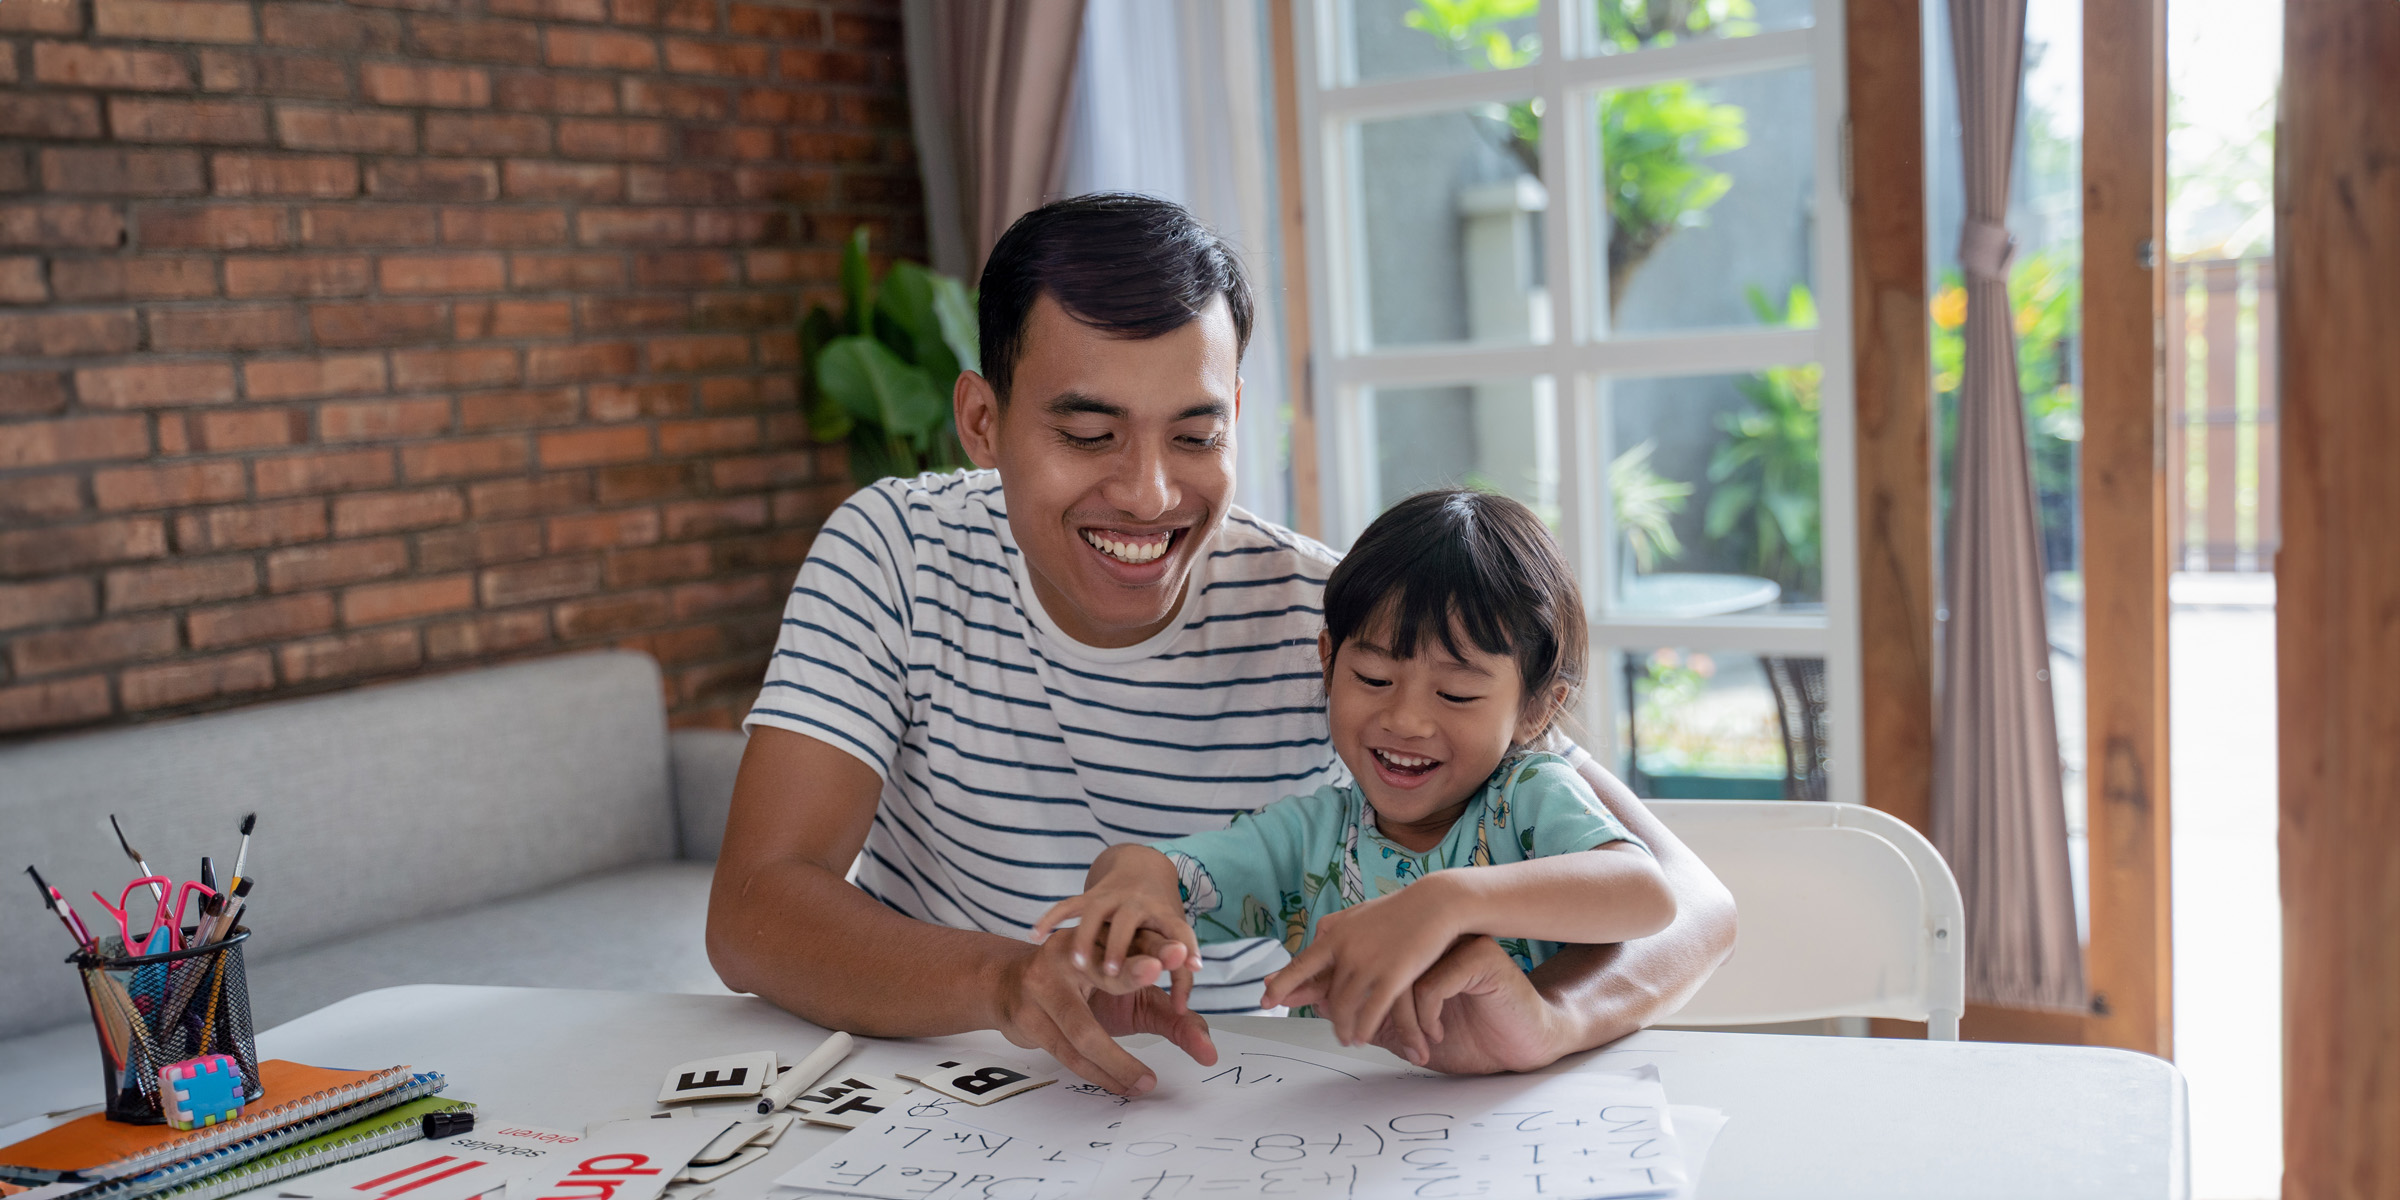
(1362, 968)
(1131, 893)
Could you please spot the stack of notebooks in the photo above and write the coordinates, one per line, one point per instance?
(310, 1117)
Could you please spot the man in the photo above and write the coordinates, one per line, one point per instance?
(985, 678)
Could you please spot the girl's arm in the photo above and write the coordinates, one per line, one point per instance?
(1611, 893)
(1364, 960)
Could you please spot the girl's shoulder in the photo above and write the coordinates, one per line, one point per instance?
(1537, 782)
(1538, 770)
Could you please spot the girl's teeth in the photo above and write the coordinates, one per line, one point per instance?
(1129, 552)
(1405, 762)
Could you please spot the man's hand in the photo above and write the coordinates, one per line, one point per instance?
(1362, 967)
(1046, 1002)
(1476, 1012)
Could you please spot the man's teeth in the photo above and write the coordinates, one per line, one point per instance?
(1130, 552)
(1406, 762)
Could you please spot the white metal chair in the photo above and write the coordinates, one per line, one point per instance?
(1845, 911)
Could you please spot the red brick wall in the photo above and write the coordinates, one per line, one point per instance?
(345, 340)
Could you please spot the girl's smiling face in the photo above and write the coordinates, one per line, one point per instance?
(1423, 733)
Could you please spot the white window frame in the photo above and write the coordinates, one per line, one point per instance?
(1345, 366)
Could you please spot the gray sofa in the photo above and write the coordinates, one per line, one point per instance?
(534, 824)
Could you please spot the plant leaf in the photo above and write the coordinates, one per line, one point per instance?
(908, 302)
(1795, 516)
(828, 421)
(1726, 506)
(871, 458)
(816, 329)
(954, 308)
(879, 389)
(857, 285)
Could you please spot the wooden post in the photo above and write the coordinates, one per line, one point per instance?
(2337, 246)
(2270, 417)
(2124, 522)
(1895, 413)
(2223, 280)
(2178, 339)
(1292, 189)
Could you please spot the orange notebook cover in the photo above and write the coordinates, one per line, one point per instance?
(90, 1145)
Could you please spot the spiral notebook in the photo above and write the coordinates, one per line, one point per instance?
(176, 1174)
(94, 1148)
(394, 1127)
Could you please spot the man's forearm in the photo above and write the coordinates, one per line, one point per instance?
(803, 937)
(1601, 993)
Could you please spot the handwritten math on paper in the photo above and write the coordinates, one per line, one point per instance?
(1270, 1120)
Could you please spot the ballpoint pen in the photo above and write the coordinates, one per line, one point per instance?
(229, 911)
(156, 891)
(65, 912)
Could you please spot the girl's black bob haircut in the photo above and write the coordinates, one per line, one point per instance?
(1456, 561)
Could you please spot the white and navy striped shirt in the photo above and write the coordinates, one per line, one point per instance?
(1011, 754)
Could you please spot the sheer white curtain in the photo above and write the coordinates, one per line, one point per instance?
(1171, 100)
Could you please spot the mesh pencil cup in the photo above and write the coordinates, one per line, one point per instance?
(151, 1010)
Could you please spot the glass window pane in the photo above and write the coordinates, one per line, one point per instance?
(1500, 435)
(1709, 220)
(1713, 487)
(1394, 39)
(1450, 220)
(1622, 25)
(1718, 725)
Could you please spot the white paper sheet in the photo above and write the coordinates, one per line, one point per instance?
(1696, 1129)
(1269, 1119)
(622, 1160)
(935, 1156)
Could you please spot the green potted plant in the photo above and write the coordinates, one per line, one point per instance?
(879, 374)
(1645, 504)
(1652, 137)
(1765, 471)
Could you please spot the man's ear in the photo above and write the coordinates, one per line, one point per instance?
(977, 410)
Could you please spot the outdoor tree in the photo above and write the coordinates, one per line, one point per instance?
(1652, 139)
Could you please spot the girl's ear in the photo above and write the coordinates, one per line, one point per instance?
(1325, 653)
(1538, 714)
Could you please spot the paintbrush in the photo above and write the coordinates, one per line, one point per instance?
(242, 855)
(157, 892)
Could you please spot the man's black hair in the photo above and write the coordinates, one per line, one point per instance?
(1130, 265)
(1453, 561)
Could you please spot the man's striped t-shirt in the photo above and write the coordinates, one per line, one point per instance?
(1011, 754)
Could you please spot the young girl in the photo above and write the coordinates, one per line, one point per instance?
(1454, 635)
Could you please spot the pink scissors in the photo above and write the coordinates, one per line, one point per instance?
(166, 924)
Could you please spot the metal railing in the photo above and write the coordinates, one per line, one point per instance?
(2222, 453)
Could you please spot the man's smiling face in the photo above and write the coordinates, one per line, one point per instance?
(1116, 459)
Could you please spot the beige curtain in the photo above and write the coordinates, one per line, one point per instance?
(1999, 813)
(989, 84)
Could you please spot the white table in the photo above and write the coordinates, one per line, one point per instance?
(1810, 1116)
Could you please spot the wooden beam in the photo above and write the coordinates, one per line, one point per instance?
(2337, 253)
(2124, 523)
(1895, 413)
(1292, 188)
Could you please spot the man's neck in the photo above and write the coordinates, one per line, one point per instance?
(1080, 628)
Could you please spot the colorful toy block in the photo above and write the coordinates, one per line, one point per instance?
(201, 1091)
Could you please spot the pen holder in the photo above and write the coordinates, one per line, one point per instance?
(152, 1010)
